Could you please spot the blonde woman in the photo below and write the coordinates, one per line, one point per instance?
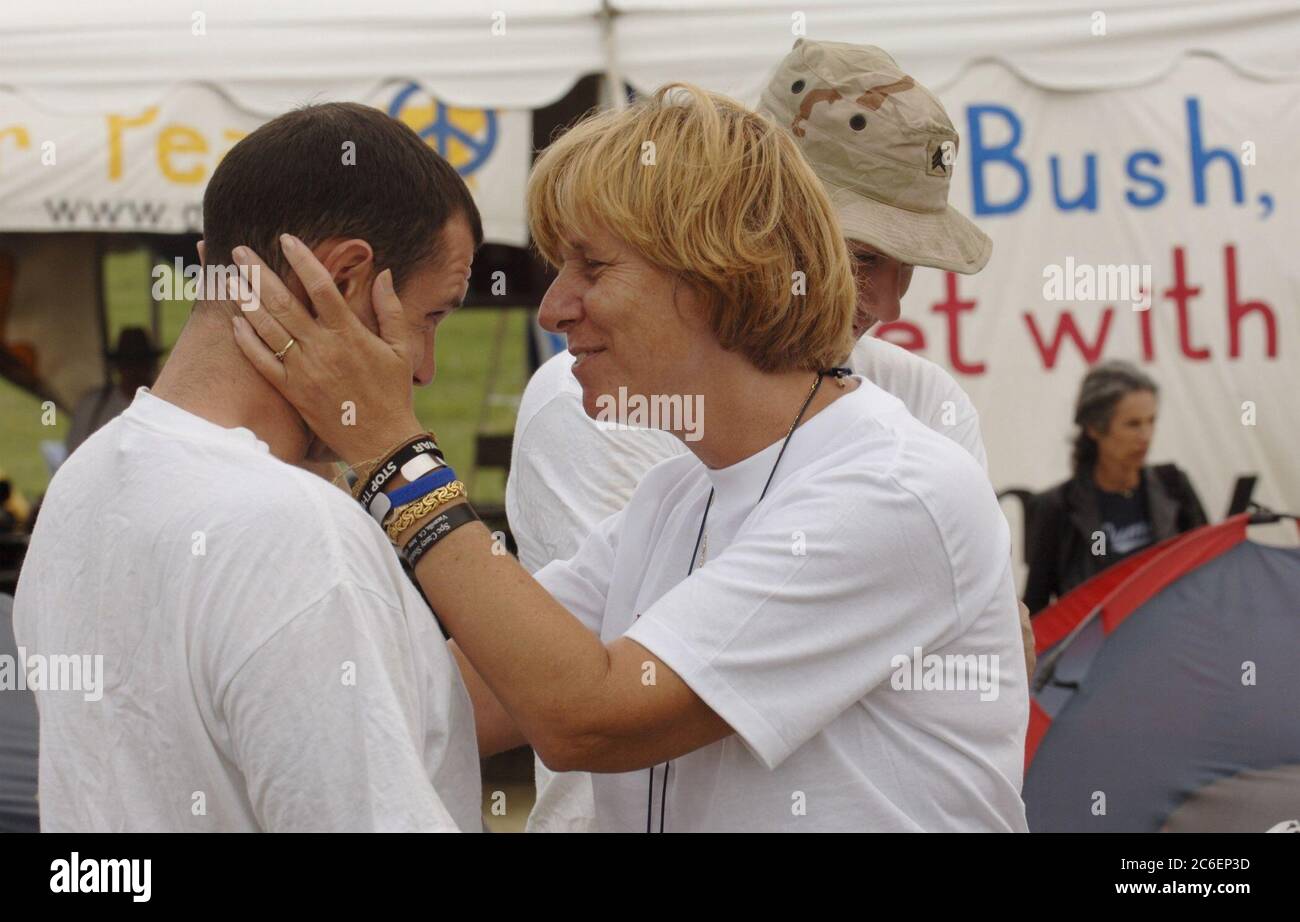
(735, 649)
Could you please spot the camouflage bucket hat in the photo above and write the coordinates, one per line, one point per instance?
(883, 147)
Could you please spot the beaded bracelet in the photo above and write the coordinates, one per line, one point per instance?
(404, 517)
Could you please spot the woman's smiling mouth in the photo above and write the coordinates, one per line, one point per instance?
(582, 355)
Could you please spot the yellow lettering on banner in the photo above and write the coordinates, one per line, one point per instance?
(180, 139)
(117, 124)
(22, 140)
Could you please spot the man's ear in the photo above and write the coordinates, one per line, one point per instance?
(202, 247)
(352, 264)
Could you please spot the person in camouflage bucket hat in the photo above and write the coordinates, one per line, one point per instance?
(884, 149)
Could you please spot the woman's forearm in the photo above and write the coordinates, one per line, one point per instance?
(544, 669)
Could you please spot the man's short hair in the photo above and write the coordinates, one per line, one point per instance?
(704, 188)
(296, 175)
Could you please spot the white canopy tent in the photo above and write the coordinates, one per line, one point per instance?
(731, 45)
(265, 57)
(74, 55)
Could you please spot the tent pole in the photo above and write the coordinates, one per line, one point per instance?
(616, 95)
(155, 306)
(101, 308)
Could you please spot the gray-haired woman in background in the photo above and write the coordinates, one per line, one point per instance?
(1114, 504)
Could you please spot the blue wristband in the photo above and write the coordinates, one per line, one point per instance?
(422, 487)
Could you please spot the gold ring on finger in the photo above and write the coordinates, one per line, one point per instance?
(287, 346)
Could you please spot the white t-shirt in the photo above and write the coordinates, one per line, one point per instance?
(878, 555)
(568, 474)
(928, 391)
(266, 663)
(94, 409)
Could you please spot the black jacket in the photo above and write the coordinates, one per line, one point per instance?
(1063, 520)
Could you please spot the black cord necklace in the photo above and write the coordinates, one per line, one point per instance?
(839, 374)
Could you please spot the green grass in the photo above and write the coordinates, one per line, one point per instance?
(454, 406)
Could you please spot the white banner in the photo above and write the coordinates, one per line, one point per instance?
(145, 169)
(1185, 188)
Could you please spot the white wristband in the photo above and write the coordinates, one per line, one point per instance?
(413, 470)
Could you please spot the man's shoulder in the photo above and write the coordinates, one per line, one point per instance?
(307, 509)
(554, 434)
(887, 450)
(291, 544)
(259, 500)
(928, 391)
(903, 373)
(552, 381)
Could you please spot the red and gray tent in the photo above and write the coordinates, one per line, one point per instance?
(1167, 695)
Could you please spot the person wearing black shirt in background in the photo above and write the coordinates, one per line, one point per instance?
(1114, 504)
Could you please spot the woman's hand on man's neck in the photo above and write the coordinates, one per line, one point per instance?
(208, 376)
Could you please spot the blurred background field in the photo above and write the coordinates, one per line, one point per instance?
(482, 370)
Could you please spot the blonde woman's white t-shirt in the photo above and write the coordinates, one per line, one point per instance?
(878, 540)
(568, 474)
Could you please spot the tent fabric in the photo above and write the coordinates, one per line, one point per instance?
(79, 56)
(731, 45)
(1118, 593)
(1055, 622)
(82, 55)
(1179, 711)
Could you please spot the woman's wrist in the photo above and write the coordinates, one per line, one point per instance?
(403, 541)
(374, 445)
(412, 458)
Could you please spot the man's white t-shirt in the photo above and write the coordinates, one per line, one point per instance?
(266, 663)
(93, 410)
(858, 629)
(568, 474)
(927, 390)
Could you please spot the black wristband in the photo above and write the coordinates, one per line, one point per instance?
(437, 528)
(421, 445)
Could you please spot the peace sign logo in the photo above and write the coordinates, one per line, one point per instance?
(465, 137)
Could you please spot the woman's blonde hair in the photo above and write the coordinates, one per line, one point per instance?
(708, 190)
